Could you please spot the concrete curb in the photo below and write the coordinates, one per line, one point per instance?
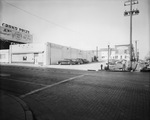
(27, 111)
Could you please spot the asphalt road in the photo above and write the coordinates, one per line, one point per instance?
(63, 94)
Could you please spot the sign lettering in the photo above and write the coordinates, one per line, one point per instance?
(14, 28)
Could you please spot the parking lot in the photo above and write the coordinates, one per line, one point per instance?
(89, 66)
(69, 94)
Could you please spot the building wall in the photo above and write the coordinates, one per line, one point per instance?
(122, 52)
(58, 52)
(103, 54)
(4, 56)
(45, 54)
(74, 53)
(27, 48)
(119, 52)
(24, 58)
(55, 53)
(27, 53)
(112, 56)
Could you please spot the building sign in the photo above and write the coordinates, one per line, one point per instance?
(12, 33)
(14, 28)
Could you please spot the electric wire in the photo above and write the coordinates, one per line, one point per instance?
(39, 17)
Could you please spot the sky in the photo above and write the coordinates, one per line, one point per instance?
(81, 24)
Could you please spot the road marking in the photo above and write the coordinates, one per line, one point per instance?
(23, 81)
(49, 86)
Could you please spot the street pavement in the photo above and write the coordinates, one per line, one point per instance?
(65, 94)
(13, 108)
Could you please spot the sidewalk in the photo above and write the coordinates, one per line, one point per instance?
(90, 66)
(13, 108)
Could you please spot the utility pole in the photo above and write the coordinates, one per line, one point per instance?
(136, 50)
(108, 57)
(97, 51)
(131, 34)
(130, 13)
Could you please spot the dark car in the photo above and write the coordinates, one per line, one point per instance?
(66, 62)
(80, 60)
(75, 61)
(85, 61)
(145, 69)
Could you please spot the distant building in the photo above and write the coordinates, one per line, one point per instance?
(122, 52)
(102, 53)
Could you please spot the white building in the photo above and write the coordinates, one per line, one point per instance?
(4, 56)
(17, 47)
(122, 52)
(44, 53)
(103, 53)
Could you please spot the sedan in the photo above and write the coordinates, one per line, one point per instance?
(85, 61)
(80, 60)
(66, 62)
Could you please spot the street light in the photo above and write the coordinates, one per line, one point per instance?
(131, 13)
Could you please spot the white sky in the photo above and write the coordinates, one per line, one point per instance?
(82, 24)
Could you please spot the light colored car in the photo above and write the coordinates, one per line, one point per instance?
(114, 65)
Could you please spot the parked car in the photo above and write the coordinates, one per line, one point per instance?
(66, 62)
(111, 63)
(145, 69)
(75, 61)
(85, 61)
(79, 60)
(114, 65)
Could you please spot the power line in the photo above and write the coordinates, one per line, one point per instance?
(39, 17)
